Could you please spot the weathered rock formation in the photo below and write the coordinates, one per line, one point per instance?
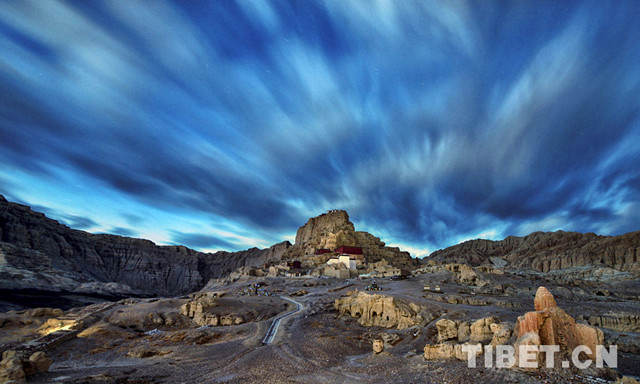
(452, 332)
(382, 311)
(619, 322)
(16, 366)
(447, 329)
(199, 309)
(324, 231)
(550, 325)
(549, 251)
(39, 253)
(448, 351)
(482, 330)
(333, 229)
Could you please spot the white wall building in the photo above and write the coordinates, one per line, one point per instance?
(347, 260)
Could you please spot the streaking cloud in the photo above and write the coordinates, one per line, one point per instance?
(223, 125)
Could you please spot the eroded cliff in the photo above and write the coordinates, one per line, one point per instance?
(39, 253)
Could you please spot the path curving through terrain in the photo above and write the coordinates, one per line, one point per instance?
(273, 328)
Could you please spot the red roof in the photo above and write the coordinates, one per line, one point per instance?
(350, 250)
(322, 250)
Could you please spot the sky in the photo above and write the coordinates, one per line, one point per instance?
(224, 125)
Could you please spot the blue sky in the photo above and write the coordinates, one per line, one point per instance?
(225, 125)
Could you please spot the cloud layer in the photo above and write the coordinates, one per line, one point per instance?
(429, 122)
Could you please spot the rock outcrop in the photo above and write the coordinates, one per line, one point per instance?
(447, 329)
(199, 309)
(382, 311)
(619, 322)
(333, 229)
(16, 365)
(481, 330)
(453, 335)
(39, 253)
(448, 351)
(325, 231)
(550, 325)
(549, 251)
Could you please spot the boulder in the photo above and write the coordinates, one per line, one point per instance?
(40, 362)
(461, 354)
(501, 333)
(172, 318)
(11, 368)
(464, 331)
(468, 276)
(15, 367)
(481, 329)
(447, 330)
(589, 336)
(156, 318)
(529, 338)
(378, 346)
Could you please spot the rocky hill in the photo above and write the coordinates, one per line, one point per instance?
(333, 229)
(549, 251)
(40, 253)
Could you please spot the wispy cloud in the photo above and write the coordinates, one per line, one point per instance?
(430, 122)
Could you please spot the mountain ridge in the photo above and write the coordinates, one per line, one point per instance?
(549, 251)
(39, 252)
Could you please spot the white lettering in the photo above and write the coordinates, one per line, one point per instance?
(505, 356)
(528, 356)
(575, 357)
(549, 351)
(610, 357)
(488, 356)
(471, 350)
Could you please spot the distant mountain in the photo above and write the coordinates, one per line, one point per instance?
(40, 253)
(550, 251)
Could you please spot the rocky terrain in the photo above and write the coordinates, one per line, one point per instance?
(39, 253)
(334, 229)
(548, 252)
(210, 325)
(344, 333)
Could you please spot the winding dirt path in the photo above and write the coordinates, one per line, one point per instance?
(273, 329)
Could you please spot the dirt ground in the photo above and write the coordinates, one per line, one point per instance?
(316, 346)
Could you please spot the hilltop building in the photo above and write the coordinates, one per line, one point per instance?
(348, 261)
